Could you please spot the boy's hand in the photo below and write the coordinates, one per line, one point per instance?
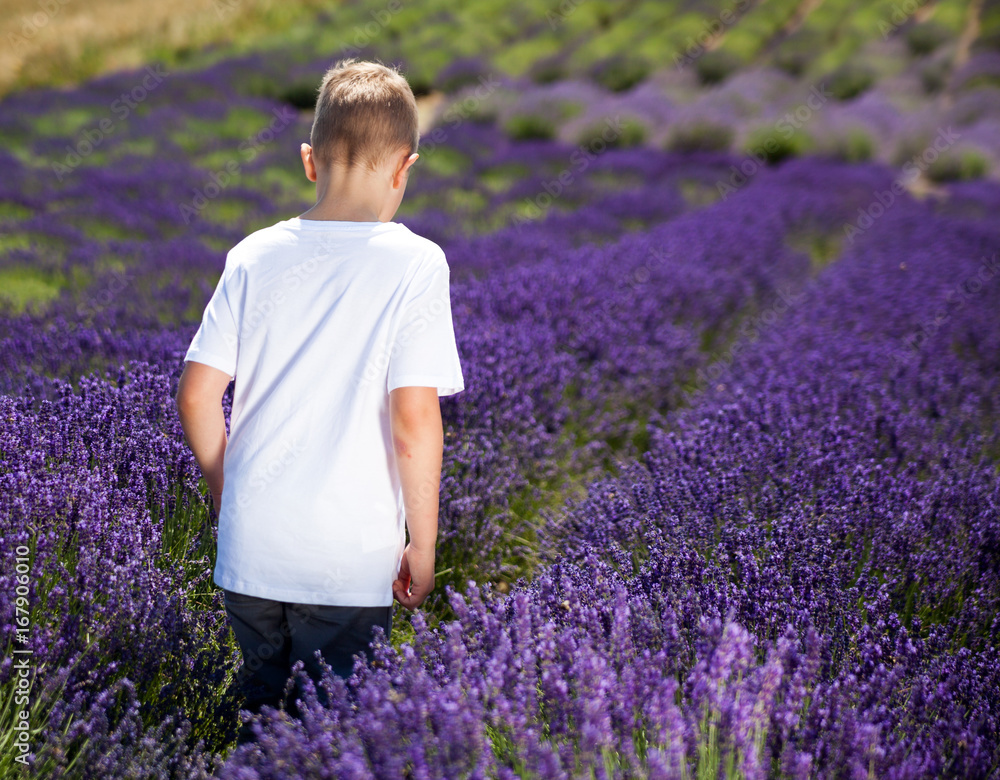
(418, 440)
(416, 577)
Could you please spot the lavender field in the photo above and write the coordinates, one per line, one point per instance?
(721, 498)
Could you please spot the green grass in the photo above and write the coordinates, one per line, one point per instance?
(15, 240)
(518, 58)
(23, 288)
(821, 247)
(529, 127)
(226, 211)
(501, 178)
(959, 165)
(239, 125)
(285, 182)
(11, 210)
(440, 161)
(774, 145)
(66, 122)
(697, 194)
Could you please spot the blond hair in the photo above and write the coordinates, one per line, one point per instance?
(365, 112)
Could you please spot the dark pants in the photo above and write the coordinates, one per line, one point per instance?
(273, 635)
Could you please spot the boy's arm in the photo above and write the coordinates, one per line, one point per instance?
(418, 440)
(199, 405)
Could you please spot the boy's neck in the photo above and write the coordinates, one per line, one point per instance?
(351, 196)
(339, 212)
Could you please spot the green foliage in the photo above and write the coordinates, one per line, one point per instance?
(959, 165)
(548, 70)
(300, 94)
(526, 127)
(714, 67)
(442, 161)
(421, 82)
(502, 177)
(774, 145)
(924, 38)
(822, 246)
(620, 72)
(38, 712)
(854, 145)
(701, 136)
(791, 61)
(796, 51)
(953, 14)
(989, 28)
(698, 194)
(10, 210)
(934, 76)
(567, 109)
(23, 287)
(990, 80)
(596, 138)
(518, 58)
(455, 81)
(67, 122)
(850, 80)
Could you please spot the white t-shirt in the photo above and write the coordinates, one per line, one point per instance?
(318, 321)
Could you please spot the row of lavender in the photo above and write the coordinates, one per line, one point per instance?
(90, 475)
(801, 581)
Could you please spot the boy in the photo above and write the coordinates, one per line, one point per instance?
(336, 326)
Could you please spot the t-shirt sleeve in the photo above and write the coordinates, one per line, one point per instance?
(424, 352)
(217, 340)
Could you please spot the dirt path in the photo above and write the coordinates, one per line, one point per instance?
(427, 108)
(969, 34)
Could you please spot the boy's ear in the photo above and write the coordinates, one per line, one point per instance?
(404, 166)
(308, 163)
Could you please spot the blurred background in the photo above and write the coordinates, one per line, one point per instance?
(684, 74)
(635, 199)
(227, 87)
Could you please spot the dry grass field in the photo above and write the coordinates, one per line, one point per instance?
(62, 42)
